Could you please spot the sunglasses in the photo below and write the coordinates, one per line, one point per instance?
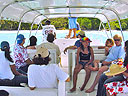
(116, 39)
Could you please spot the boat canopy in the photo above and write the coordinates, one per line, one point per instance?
(34, 11)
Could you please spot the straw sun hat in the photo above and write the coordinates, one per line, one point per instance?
(114, 70)
(42, 51)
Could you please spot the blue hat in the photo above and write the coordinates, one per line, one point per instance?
(20, 38)
(4, 45)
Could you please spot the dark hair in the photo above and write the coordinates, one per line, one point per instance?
(48, 22)
(82, 46)
(33, 40)
(126, 54)
(7, 54)
(50, 38)
(41, 61)
(82, 36)
(4, 93)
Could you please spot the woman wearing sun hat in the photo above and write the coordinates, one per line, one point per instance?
(104, 79)
(86, 55)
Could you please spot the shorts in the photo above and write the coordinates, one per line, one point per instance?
(84, 63)
(72, 22)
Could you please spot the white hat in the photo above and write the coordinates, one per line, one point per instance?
(42, 51)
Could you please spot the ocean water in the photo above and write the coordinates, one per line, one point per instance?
(97, 37)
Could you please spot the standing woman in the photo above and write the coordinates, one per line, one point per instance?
(8, 74)
(84, 52)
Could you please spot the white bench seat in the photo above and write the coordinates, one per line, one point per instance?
(25, 91)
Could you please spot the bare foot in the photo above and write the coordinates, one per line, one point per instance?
(82, 88)
(73, 89)
(89, 90)
(74, 37)
(67, 36)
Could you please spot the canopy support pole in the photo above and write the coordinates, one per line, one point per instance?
(33, 23)
(105, 29)
(6, 7)
(101, 23)
(118, 18)
(100, 26)
(37, 29)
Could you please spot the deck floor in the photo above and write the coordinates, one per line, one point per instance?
(77, 92)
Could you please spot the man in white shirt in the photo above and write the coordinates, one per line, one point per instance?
(47, 73)
(48, 29)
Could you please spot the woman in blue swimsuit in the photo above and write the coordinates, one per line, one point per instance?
(85, 57)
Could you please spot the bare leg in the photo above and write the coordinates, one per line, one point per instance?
(69, 34)
(101, 70)
(75, 73)
(87, 77)
(74, 30)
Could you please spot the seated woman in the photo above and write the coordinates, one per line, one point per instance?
(84, 52)
(47, 73)
(8, 74)
(118, 85)
(31, 49)
(116, 52)
(108, 45)
(104, 79)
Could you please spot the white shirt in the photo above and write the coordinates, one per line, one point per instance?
(46, 30)
(5, 70)
(45, 76)
(31, 53)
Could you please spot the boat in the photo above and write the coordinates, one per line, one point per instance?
(34, 11)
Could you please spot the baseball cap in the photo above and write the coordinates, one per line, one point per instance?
(85, 39)
(4, 45)
(20, 38)
(81, 33)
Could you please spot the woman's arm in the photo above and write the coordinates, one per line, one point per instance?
(101, 47)
(106, 51)
(31, 47)
(77, 57)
